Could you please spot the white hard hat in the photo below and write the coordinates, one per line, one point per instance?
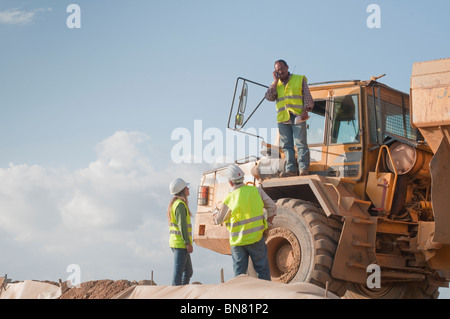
(177, 186)
(234, 173)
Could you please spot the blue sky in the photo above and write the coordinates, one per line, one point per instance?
(87, 114)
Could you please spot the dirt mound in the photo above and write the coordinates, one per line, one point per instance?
(98, 289)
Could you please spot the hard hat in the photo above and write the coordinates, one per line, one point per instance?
(234, 173)
(177, 186)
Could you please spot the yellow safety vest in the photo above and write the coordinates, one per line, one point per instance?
(175, 239)
(246, 223)
(290, 98)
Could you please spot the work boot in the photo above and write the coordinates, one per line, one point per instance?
(288, 174)
(303, 172)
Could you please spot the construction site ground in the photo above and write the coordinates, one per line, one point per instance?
(242, 287)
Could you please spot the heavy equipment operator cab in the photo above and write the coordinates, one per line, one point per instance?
(348, 119)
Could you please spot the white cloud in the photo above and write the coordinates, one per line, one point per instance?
(110, 217)
(15, 16)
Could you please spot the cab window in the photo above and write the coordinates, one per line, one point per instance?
(345, 124)
(316, 124)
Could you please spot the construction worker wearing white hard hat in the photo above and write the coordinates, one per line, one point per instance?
(180, 227)
(235, 174)
(242, 213)
(177, 186)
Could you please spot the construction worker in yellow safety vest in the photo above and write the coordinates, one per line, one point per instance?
(180, 227)
(293, 102)
(243, 215)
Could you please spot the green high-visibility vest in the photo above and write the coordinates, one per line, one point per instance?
(175, 239)
(246, 223)
(290, 98)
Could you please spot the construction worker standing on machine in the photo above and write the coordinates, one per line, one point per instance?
(180, 227)
(242, 212)
(293, 102)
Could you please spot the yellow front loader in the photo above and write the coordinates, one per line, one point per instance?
(372, 219)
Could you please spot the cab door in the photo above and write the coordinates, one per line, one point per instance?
(317, 132)
(344, 134)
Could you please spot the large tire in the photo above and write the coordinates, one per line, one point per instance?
(387, 291)
(302, 244)
(397, 290)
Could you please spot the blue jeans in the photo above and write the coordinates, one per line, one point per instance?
(290, 134)
(182, 271)
(257, 252)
